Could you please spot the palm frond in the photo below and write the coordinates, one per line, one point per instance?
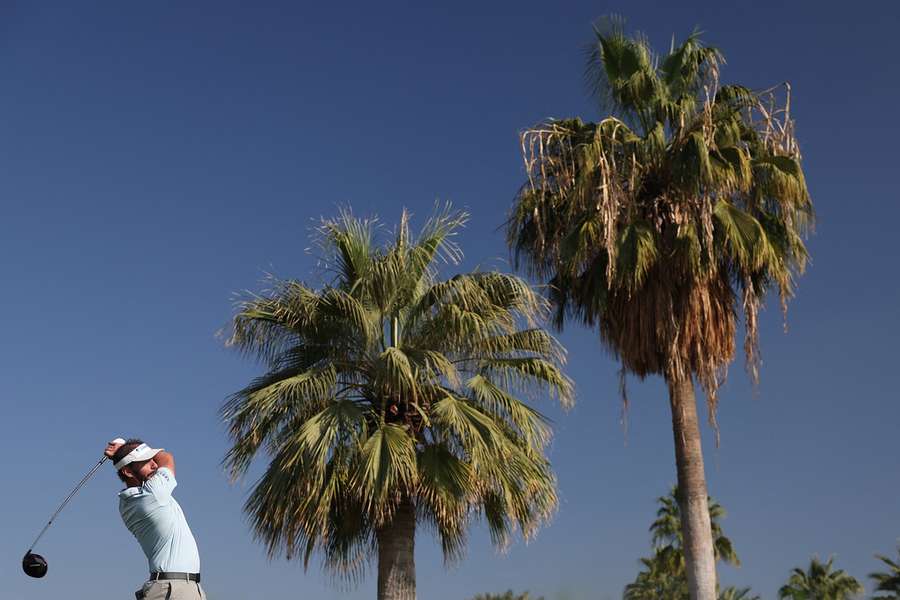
(257, 413)
(887, 581)
(622, 70)
(526, 421)
(387, 470)
(347, 243)
(529, 373)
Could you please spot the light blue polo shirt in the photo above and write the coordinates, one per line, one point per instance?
(157, 521)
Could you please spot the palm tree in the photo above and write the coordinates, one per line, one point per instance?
(819, 582)
(667, 530)
(393, 399)
(663, 575)
(656, 223)
(887, 583)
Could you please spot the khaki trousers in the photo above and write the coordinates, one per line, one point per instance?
(170, 589)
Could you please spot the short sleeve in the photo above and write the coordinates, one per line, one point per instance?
(161, 484)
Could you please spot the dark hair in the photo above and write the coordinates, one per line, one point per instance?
(129, 445)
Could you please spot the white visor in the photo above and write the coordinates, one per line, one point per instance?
(142, 452)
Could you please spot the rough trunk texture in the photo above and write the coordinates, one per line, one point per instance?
(692, 495)
(396, 562)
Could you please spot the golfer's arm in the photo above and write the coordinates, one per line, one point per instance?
(165, 459)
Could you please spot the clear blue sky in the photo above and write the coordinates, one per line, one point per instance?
(156, 157)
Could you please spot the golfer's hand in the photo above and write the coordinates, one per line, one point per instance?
(112, 446)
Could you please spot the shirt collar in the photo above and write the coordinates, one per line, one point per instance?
(128, 492)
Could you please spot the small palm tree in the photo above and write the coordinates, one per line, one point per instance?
(393, 398)
(667, 528)
(663, 575)
(659, 222)
(887, 583)
(820, 582)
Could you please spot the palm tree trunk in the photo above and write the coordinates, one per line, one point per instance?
(692, 496)
(396, 561)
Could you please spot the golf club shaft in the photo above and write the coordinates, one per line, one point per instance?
(66, 501)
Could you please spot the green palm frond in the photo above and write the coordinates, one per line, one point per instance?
(621, 70)
(257, 413)
(386, 471)
(532, 425)
(444, 496)
(523, 341)
(664, 574)
(820, 581)
(342, 310)
(469, 428)
(887, 583)
(507, 595)
(661, 576)
(436, 363)
(636, 255)
(347, 243)
(688, 67)
(524, 374)
(264, 325)
(744, 238)
(666, 529)
(436, 240)
(733, 593)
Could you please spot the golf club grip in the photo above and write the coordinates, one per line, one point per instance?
(66, 501)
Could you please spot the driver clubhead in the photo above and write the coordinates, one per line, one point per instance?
(34, 565)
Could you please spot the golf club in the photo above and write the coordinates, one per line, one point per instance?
(35, 565)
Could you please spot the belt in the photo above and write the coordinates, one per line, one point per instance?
(160, 575)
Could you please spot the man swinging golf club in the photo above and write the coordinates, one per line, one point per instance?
(155, 518)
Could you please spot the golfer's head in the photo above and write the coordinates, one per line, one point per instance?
(136, 471)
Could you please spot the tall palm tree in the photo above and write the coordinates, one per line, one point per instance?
(663, 575)
(887, 582)
(658, 222)
(820, 582)
(393, 399)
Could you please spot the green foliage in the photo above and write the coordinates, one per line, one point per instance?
(666, 529)
(887, 583)
(386, 385)
(820, 582)
(733, 593)
(508, 595)
(663, 575)
(659, 222)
